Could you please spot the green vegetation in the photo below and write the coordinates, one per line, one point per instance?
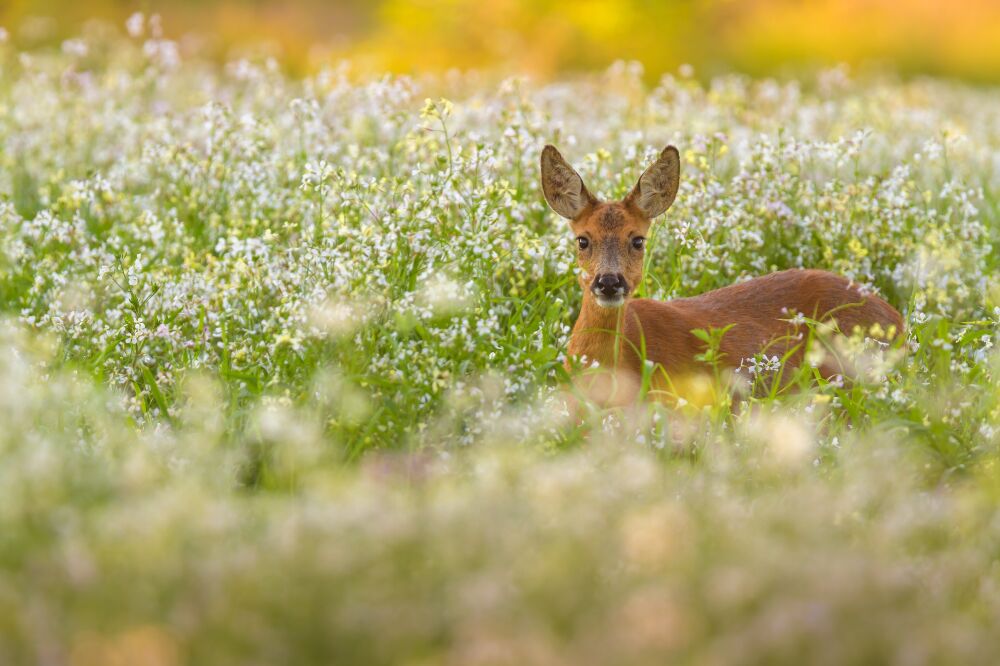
(281, 363)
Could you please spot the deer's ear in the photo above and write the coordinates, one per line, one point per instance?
(563, 188)
(657, 185)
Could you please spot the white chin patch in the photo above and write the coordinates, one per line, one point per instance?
(613, 302)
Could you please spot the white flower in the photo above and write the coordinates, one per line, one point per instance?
(136, 25)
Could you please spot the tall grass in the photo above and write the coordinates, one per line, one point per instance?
(281, 370)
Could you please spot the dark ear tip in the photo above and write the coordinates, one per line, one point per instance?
(671, 149)
(549, 150)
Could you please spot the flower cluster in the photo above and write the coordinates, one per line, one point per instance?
(165, 217)
(229, 293)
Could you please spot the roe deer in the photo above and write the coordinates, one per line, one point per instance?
(613, 327)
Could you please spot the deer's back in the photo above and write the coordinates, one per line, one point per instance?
(757, 309)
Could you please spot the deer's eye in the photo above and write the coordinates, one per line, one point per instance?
(638, 242)
(584, 243)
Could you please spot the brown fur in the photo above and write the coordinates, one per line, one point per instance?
(756, 309)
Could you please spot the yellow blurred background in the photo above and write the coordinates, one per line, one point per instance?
(959, 38)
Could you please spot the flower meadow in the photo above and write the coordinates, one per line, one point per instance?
(282, 364)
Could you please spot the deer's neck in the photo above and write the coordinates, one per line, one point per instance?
(597, 332)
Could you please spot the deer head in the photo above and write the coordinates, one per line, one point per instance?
(610, 237)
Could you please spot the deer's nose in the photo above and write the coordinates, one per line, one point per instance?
(610, 284)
